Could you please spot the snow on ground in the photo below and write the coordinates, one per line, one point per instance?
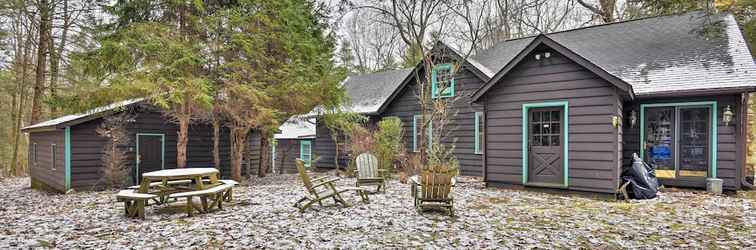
(262, 216)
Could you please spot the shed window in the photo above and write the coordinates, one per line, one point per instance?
(305, 153)
(442, 79)
(33, 154)
(53, 156)
(478, 132)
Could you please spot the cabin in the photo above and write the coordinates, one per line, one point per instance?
(294, 140)
(567, 110)
(66, 153)
(367, 93)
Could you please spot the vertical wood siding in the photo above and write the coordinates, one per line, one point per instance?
(42, 171)
(728, 166)
(461, 126)
(593, 141)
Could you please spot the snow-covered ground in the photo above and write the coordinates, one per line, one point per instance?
(262, 216)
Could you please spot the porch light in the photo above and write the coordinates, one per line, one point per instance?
(633, 118)
(727, 115)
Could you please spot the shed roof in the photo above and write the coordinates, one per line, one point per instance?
(70, 120)
(655, 55)
(369, 91)
(296, 128)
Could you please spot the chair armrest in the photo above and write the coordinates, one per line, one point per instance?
(320, 179)
(325, 182)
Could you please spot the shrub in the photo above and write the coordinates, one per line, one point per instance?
(114, 170)
(389, 147)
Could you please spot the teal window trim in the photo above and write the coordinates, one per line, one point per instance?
(67, 164)
(162, 152)
(434, 81)
(478, 137)
(54, 157)
(565, 132)
(307, 158)
(712, 139)
(414, 133)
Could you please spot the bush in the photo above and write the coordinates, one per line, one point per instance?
(114, 170)
(389, 147)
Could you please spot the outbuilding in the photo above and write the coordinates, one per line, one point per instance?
(66, 153)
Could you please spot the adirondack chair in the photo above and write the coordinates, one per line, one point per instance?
(435, 191)
(323, 188)
(368, 172)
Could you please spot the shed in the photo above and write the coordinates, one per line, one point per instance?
(66, 153)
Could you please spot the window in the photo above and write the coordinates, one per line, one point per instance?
(273, 155)
(478, 132)
(305, 153)
(53, 157)
(33, 154)
(442, 81)
(416, 124)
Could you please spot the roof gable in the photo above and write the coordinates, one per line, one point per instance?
(477, 68)
(657, 56)
(545, 40)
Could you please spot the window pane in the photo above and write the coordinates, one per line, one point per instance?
(536, 141)
(536, 117)
(546, 116)
(555, 128)
(554, 140)
(546, 128)
(536, 129)
(555, 116)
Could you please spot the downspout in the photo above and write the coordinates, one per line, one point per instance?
(744, 132)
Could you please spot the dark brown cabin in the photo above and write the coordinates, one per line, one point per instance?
(66, 153)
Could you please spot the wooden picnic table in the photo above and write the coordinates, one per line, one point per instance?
(194, 174)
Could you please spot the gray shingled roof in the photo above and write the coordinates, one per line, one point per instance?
(81, 116)
(654, 55)
(369, 91)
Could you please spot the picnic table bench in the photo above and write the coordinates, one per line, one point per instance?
(177, 183)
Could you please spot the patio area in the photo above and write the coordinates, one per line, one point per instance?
(262, 216)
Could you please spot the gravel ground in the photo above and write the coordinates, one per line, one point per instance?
(262, 216)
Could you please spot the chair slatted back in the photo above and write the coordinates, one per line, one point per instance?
(304, 176)
(367, 166)
(435, 186)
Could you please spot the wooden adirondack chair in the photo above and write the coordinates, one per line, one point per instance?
(320, 189)
(368, 172)
(435, 191)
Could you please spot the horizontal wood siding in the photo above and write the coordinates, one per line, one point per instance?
(461, 125)
(87, 147)
(324, 149)
(728, 166)
(287, 151)
(593, 141)
(42, 170)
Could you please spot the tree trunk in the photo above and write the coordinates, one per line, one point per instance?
(182, 142)
(56, 54)
(216, 143)
(262, 169)
(238, 137)
(42, 47)
(17, 167)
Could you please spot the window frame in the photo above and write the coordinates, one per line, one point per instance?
(478, 133)
(34, 155)
(434, 81)
(302, 144)
(53, 157)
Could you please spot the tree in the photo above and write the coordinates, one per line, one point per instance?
(277, 61)
(158, 57)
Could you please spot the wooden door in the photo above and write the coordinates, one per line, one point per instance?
(149, 154)
(545, 154)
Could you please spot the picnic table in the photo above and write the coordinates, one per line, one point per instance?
(178, 183)
(194, 174)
